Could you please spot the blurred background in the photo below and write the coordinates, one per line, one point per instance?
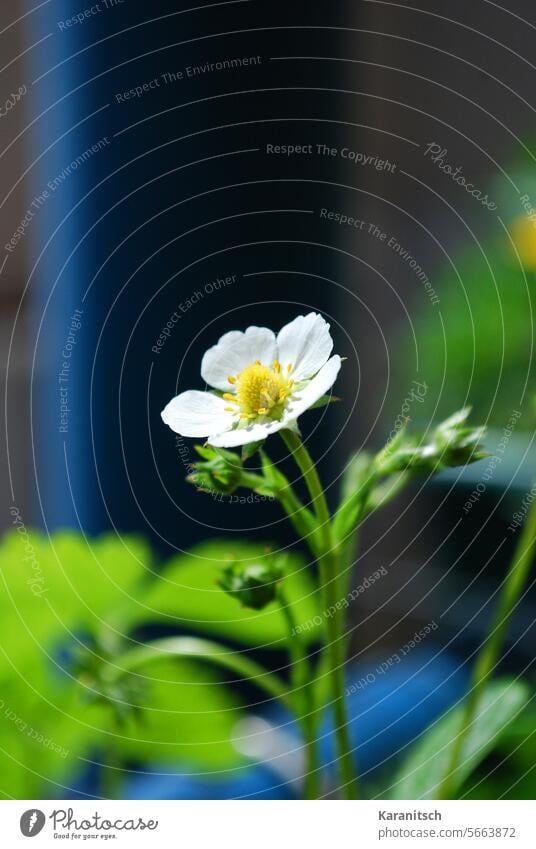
(232, 164)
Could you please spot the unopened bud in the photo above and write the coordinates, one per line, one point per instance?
(252, 584)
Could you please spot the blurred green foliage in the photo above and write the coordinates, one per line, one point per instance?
(475, 347)
(509, 772)
(69, 607)
(422, 772)
(55, 595)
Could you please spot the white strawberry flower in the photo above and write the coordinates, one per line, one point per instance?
(266, 381)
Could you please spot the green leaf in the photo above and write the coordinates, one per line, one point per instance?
(188, 716)
(51, 587)
(187, 595)
(53, 592)
(428, 761)
(516, 751)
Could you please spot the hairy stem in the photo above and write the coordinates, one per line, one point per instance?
(207, 650)
(304, 697)
(327, 563)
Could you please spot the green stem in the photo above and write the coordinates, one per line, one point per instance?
(201, 649)
(327, 563)
(302, 519)
(303, 693)
(490, 651)
(250, 480)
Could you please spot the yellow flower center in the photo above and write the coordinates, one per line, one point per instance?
(260, 390)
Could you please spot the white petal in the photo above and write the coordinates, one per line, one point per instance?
(245, 435)
(314, 390)
(235, 351)
(306, 343)
(195, 413)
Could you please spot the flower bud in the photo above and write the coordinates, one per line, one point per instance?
(219, 471)
(252, 584)
(452, 443)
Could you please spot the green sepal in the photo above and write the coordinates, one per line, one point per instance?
(219, 471)
(250, 449)
(324, 401)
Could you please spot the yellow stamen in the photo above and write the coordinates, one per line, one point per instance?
(231, 379)
(289, 368)
(261, 390)
(227, 396)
